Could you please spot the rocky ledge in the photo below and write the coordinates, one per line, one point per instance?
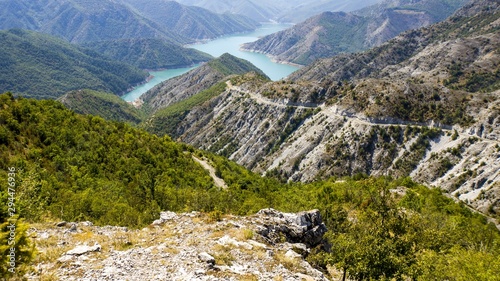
(269, 245)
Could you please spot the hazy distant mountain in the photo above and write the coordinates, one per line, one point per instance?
(279, 10)
(261, 12)
(43, 66)
(101, 20)
(192, 22)
(81, 20)
(329, 34)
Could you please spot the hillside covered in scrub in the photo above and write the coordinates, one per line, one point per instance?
(379, 165)
(82, 168)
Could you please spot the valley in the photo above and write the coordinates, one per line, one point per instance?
(386, 111)
(373, 153)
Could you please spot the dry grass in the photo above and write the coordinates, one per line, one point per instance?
(241, 234)
(49, 276)
(292, 264)
(248, 277)
(217, 234)
(172, 250)
(222, 255)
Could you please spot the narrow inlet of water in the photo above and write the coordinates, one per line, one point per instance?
(227, 44)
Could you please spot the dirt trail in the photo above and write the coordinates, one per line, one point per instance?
(211, 170)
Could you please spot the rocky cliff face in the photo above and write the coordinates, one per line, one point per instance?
(329, 34)
(424, 104)
(188, 246)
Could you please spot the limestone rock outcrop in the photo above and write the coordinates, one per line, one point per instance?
(187, 246)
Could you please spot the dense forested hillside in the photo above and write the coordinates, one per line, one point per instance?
(85, 168)
(42, 66)
(105, 105)
(329, 34)
(72, 167)
(149, 53)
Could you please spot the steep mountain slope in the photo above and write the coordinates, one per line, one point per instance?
(329, 34)
(81, 20)
(279, 10)
(192, 22)
(196, 80)
(424, 104)
(172, 100)
(321, 36)
(108, 106)
(149, 53)
(42, 66)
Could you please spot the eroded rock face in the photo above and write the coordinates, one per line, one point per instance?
(304, 227)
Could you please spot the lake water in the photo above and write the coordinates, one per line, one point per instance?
(227, 44)
(159, 76)
(231, 44)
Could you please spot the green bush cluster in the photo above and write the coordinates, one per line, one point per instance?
(376, 234)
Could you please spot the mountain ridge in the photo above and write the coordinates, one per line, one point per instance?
(196, 80)
(83, 21)
(105, 105)
(329, 34)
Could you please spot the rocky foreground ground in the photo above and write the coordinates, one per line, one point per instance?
(190, 246)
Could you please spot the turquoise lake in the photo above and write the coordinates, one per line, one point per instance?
(227, 44)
